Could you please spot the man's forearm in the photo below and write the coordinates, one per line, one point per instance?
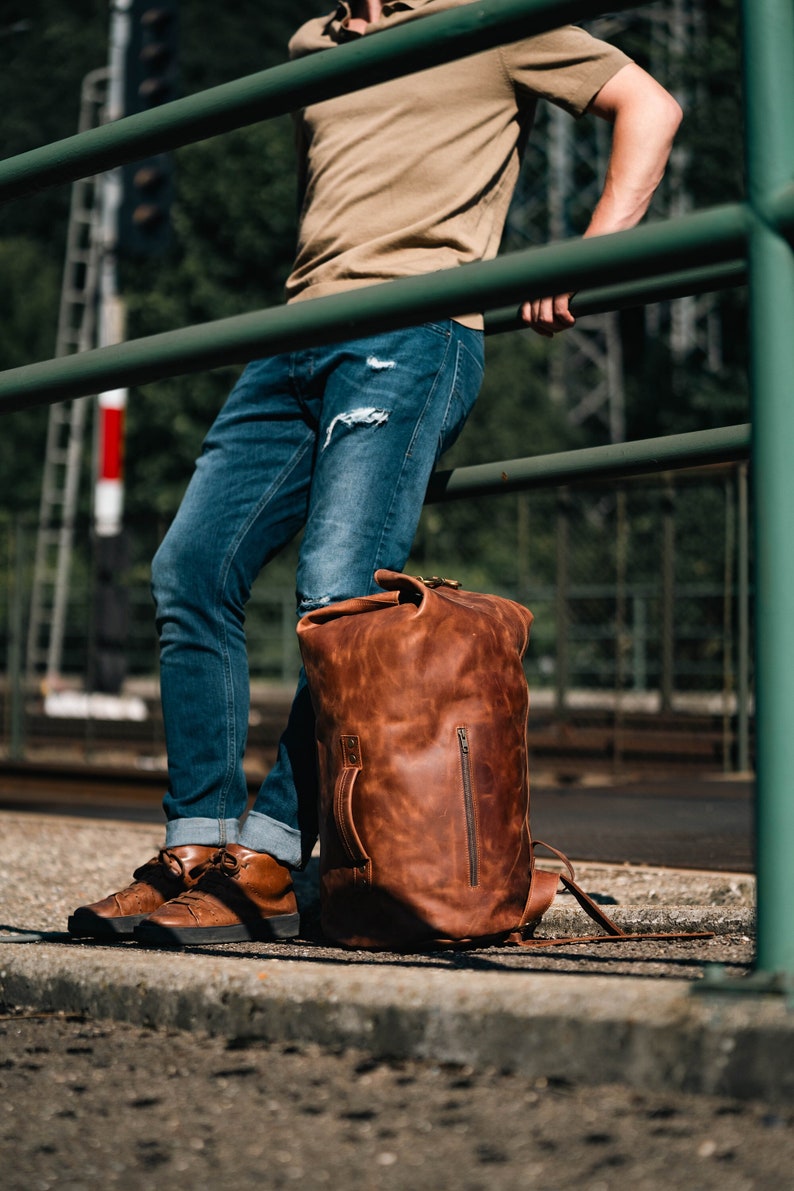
(645, 120)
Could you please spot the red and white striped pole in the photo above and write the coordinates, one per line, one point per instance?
(107, 663)
(109, 484)
(111, 406)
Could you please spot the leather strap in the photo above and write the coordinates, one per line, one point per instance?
(523, 941)
(592, 908)
(542, 891)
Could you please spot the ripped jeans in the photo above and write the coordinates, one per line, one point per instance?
(339, 441)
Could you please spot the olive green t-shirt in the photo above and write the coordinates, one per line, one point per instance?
(416, 174)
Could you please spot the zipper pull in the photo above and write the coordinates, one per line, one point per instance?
(463, 740)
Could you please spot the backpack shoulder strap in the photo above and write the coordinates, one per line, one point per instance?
(543, 889)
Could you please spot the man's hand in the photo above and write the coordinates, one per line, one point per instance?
(645, 119)
(547, 316)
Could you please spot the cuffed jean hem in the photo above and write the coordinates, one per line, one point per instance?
(263, 834)
(208, 832)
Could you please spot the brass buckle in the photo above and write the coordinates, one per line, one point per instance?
(436, 581)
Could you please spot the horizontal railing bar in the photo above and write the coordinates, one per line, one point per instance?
(635, 293)
(414, 45)
(728, 443)
(703, 238)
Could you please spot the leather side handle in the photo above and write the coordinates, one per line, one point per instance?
(343, 800)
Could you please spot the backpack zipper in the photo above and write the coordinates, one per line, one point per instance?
(468, 803)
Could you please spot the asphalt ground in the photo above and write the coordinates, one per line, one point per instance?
(615, 1064)
(692, 820)
(87, 1103)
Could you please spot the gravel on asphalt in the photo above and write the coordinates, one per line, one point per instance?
(87, 1103)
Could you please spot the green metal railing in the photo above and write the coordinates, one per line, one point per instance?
(768, 32)
(282, 89)
(708, 238)
(708, 249)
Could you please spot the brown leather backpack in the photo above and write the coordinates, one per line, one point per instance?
(421, 704)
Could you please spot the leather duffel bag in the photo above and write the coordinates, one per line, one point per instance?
(421, 709)
(421, 704)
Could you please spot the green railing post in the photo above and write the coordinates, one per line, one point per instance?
(728, 669)
(667, 619)
(15, 688)
(769, 90)
(562, 612)
(622, 637)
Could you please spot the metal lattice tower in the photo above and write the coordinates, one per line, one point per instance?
(570, 157)
(77, 331)
(692, 323)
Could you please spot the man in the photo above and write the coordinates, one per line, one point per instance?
(400, 179)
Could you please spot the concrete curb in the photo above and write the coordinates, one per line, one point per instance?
(564, 921)
(646, 1033)
(721, 920)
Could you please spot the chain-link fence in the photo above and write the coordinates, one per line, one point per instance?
(640, 594)
(270, 622)
(640, 590)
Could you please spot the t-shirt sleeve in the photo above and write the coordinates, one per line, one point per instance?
(567, 66)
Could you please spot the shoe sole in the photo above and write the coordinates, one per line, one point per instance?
(280, 927)
(90, 926)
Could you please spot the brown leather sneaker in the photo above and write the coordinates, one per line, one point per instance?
(166, 875)
(245, 895)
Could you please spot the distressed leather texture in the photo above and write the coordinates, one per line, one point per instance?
(421, 704)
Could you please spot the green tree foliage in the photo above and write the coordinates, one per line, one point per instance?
(28, 312)
(234, 224)
(514, 417)
(47, 48)
(665, 396)
(234, 235)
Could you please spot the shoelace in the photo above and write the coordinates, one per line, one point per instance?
(227, 863)
(215, 877)
(163, 864)
(166, 864)
(170, 861)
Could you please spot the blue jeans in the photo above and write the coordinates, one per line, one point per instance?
(337, 440)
